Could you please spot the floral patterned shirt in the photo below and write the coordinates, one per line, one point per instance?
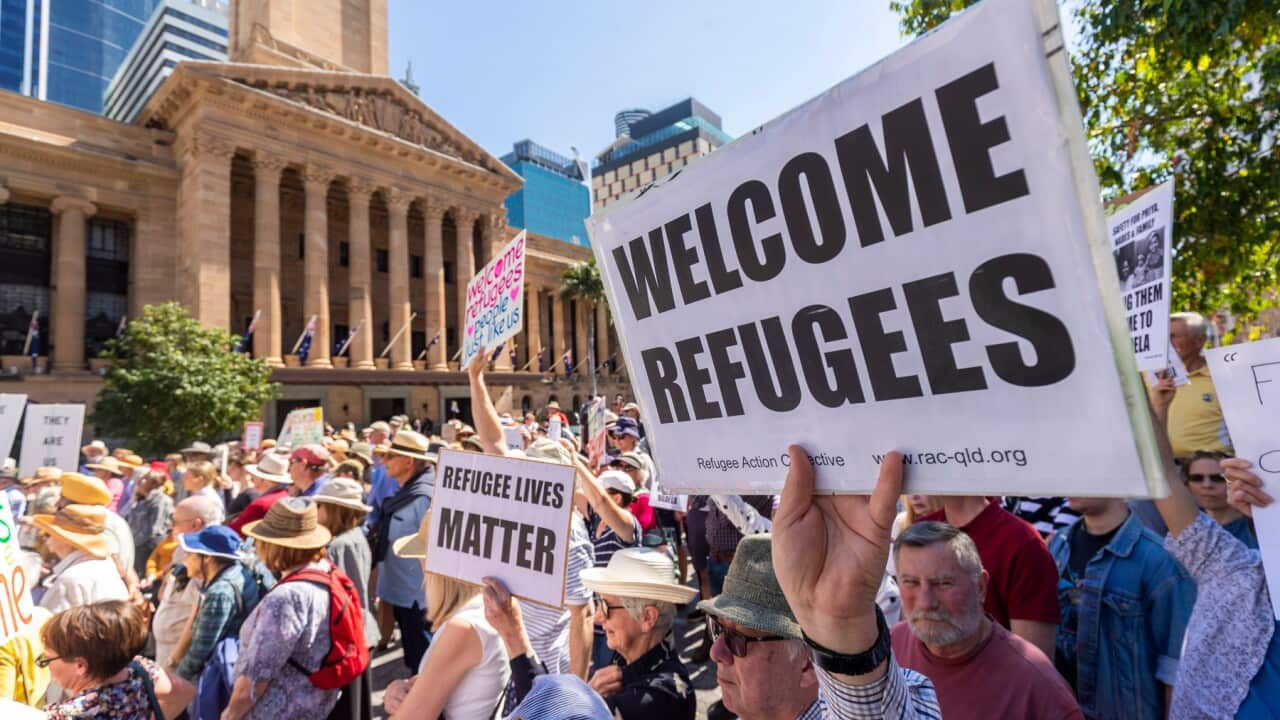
(125, 699)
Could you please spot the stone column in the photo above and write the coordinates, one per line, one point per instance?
(204, 228)
(266, 257)
(359, 279)
(433, 256)
(494, 238)
(315, 290)
(580, 356)
(602, 333)
(466, 264)
(398, 267)
(559, 313)
(533, 326)
(69, 282)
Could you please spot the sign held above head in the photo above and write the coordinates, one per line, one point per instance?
(495, 301)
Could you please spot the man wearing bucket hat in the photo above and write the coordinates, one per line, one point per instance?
(110, 472)
(637, 606)
(86, 490)
(270, 476)
(400, 579)
(84, 574)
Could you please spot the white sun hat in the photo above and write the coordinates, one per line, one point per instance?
(641, 573)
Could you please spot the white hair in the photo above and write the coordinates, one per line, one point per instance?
(666, 611)
(206, 508)
(1197, 326)
(46, 500)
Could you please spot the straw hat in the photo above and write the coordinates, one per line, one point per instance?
(83, 526)
(133, 461)
(342, 491)
(291, 522)
(95, 447)
(752, 596)
(361, 451)
(42, 475)
(109, 464)
(84, 489)
(409, 444)
(415, 545)
(267, 444)
(641, 573)
(198, 448)
(273, 467)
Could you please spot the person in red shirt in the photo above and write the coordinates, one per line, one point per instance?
(271, 478)
(1023, 591)
(978, 668)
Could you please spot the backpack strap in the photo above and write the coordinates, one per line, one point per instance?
(319, 578)
(150, 687)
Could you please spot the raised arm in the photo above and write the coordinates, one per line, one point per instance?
(618, 518)
(488, 426)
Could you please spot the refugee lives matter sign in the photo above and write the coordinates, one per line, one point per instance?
(1141, 233)
(914, 260)
(1247, 378)
(495, 301)
(502, 517)
(51, 437)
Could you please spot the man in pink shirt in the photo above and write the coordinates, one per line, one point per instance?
(979, 669)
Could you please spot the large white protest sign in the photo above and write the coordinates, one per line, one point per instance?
(51, 436)
(916, 259)
(301, 427)
(10, 415)
(1247, 378)
(1141, 233)
(502, 517)
(15, 595)
(495, 301)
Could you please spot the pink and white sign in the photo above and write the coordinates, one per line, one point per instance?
(495, 301)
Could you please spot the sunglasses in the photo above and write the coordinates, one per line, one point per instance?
(44, 661)
(737, 643)
(1206, 477)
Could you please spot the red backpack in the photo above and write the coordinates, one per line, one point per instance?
(348, 656)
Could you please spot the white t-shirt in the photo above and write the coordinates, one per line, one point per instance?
(478, 692)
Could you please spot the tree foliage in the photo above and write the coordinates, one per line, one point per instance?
(1189, 90)
(175, 382)
(581, 281)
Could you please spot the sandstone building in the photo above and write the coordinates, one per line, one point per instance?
(296, 180)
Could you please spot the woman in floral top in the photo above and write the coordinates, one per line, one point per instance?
(92, 653)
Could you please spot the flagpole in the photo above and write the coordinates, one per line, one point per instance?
(399, 332)
(26, 346)
(456, 356)
(430, 344)
(304, 334)
(350, 336)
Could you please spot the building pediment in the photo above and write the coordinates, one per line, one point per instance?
(374, 103)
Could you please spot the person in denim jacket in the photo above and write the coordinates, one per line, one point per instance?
(1125, 603)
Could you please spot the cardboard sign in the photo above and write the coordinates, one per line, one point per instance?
(51, 436)
(916, 260)
(495, 301)
(597, 442)
(661, 499)
(302, 426)
(251, 439)
(513, 438)
(1247, 378)
(502, 517)
(1141, 233)
(10, 415)
(15, 595)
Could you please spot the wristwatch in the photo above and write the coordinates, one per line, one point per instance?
(859, 664)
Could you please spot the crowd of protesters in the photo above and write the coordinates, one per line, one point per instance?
(221, 582)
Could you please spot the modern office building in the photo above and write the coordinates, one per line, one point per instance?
(650, 146)
(553, 201)
(177, 30)
(66, 51)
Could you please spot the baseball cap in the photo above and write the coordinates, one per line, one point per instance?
(311, 454)
(625, 426)
(618, 481)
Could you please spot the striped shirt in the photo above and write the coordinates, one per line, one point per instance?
(607, 542)
(548, 628)
(899, 695)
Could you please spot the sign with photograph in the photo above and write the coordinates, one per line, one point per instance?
(1141, 233)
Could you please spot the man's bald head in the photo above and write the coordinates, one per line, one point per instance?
(200, 510)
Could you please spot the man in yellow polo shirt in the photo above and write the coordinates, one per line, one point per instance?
(1195, 419)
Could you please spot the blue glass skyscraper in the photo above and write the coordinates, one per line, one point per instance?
(554, 200)
(66, 51)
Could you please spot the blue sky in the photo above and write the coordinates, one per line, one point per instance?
(556, 71)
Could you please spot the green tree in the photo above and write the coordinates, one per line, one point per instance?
(175, 382)
(581, 282)
(1189, 90)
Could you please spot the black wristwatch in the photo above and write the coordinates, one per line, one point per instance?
(860, 664)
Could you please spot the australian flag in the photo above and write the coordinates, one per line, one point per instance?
(33, 337)
(248, 334)
(542, 360)
(305, 348)
(341, 346)
(568, 363)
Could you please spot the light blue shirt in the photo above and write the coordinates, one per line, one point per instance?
(17, 501)
(381, 487)
(400, 579)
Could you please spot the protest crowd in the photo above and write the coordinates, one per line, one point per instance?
(224, 582)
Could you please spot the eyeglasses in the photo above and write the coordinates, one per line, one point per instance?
(605, 608)
(734, 640)
(1206, 477)
(44, 661)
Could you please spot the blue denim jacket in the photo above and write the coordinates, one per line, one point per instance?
(1131, 614)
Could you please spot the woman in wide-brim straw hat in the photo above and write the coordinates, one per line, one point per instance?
(465, 669)
(340, 508)
(637, 599)
(290, 623)
(85, 572)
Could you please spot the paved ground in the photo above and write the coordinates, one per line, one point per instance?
(389, 665)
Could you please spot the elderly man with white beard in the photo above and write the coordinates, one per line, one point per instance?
(978, 668)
